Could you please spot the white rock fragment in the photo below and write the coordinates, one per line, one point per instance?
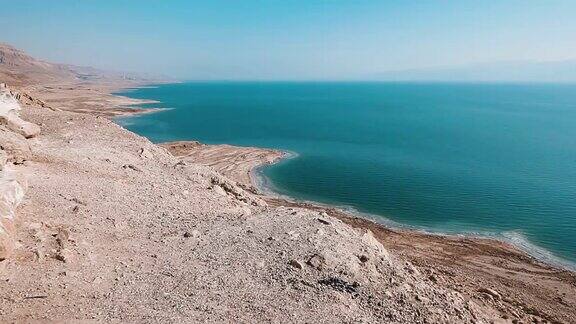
(9, 116)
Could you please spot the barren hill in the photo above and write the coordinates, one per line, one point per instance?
(17, 68)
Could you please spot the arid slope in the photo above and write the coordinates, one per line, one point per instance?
(115, 228)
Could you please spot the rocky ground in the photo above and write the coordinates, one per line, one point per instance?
(96, 99)
(113, 228)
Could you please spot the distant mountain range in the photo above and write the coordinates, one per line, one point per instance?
(555, 71)
(17, 67)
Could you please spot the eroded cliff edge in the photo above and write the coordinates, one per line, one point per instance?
(14, 150)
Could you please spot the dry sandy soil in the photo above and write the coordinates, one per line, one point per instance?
(115, 228)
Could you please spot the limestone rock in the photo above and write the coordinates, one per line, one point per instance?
(369, 239)
(234, 190)
(491, 292)
(11, 194)
(25, 128)
(3, 159)
(9, 116)
(144, 153)
(6, 245)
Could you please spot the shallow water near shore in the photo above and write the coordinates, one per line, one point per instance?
(493, 159)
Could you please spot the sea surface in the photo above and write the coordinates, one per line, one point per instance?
(496, 160)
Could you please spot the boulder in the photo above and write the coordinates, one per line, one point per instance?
(317, 261)
(23, 127)
(14, 145)
(296, 264)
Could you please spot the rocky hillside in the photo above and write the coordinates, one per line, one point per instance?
(17, 67)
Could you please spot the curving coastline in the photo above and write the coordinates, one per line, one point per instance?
(438, 252)
(470, 261)
(514, 242)
(428, 184)
(116, 228)
(246, 165)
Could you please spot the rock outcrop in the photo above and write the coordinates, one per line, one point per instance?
(13, 150)
(12, 187)
(9, 117)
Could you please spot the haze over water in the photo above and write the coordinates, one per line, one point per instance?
(492, 159)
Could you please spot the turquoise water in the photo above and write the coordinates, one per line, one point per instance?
(491, 159)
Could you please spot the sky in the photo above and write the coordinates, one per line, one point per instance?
(288, 39)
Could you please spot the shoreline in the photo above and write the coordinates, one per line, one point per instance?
(261, 185)
(264, 187)
(257, 184)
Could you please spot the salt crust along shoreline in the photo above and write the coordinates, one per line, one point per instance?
(199, 220)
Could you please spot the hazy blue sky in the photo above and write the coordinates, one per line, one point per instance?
(290, 39)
